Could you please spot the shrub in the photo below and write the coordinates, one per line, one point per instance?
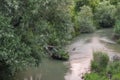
(102, 70)
(94, 3)
(114, 67)
(117, 28)
(84, 20)
(116, 77)
(94, 76)
(100, 61)
(79, 4)
(117, 23)
(114, 2)
(58, 53)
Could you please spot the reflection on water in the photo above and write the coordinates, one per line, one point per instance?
(80, 51)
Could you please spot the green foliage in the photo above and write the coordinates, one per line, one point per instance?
(116, 77)
(117, 15)
(117, 28)
(114, 2)
(105, 14)
(114, 67)
(60, 54)
(26, 28)
(94, 76)
(94, 3)
(117, 23)
(84, 20)
(102, 70)
(64, 55)
(14, 54)
(79, 4)
(100, 61)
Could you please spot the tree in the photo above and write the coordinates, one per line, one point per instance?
(93, 3)
(105, 14)
(27, 27)
(114, 2)
(14, 54)
(117, 23)
(84, 20)
(79, 4)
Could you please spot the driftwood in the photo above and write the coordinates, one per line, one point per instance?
(50, 49)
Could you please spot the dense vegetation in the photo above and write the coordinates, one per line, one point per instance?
(103, 69)
(100, 14)
(84, 20)
(27, 29)
(30, 29)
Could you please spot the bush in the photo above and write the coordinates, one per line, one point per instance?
(84, 20)
(116, 77)
(58, 53)
(117, 28)
(105, 14)
(100, 61)
(117, 23)
(102, 70)
(114, 67)
(114, 2)
(94, 3)
(94, 76)
(79, 4)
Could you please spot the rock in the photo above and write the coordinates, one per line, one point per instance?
(116, 58)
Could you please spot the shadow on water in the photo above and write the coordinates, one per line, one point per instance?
(80, 51)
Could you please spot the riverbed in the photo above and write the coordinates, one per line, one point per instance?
(81, 51)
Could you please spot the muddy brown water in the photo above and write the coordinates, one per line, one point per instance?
(80, 51)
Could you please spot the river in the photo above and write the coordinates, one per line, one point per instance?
(80, 51)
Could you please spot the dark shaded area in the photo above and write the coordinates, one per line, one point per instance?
(106, 24)
(5, 73)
